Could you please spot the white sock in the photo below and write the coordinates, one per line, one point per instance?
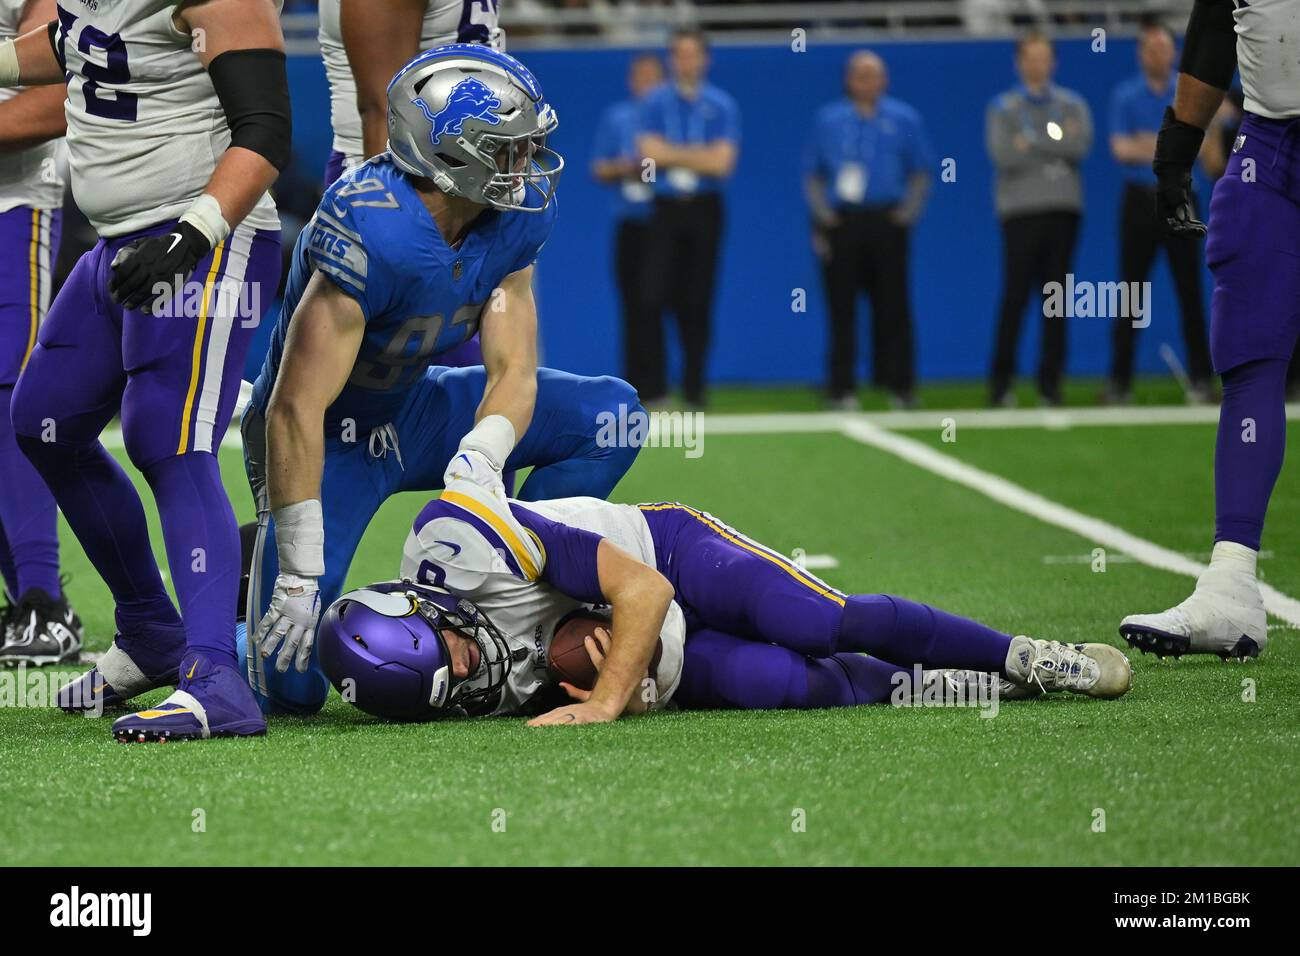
(1231, 556)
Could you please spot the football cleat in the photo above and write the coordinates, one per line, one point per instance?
(972, 685)
(131, 666)
(1225, 616)
(211, 700)
(42, 630)
(1097, 670)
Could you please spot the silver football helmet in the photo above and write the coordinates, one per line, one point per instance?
(474, 121)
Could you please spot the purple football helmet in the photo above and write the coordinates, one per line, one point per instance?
(386, 640)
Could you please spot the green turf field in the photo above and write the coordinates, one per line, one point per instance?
(1184, 769)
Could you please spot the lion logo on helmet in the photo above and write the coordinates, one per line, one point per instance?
(471, 98)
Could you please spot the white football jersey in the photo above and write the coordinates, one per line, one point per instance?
(1268, 56)
(145, 127)
(32, 177)
(476, 549)
(445, 21)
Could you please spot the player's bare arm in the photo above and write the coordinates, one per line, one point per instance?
(247, 34)
(30, 60)
(639, 597)
(717, 158)
(321, 347)
(509, 336)
(1209, 60)
(35, 115)
(379, 38)
(320, 350)
(240, 45)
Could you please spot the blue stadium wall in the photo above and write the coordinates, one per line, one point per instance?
(956, 251)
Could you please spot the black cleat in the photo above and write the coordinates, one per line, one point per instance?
(1160, 643)
(42, 630)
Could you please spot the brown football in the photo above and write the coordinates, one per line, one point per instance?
(569, 660)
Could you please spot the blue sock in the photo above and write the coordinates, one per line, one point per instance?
(27, 514)
(905, 633)
(203, 553)
(104, 511)
(1249, 449)
(8, 572)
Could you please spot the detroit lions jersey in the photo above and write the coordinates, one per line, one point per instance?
(145, 127)
(373, 236)
(445, 21)
(520, 564)
(1268, 56)
(30, 177)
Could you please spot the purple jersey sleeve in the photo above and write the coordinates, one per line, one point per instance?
(570, 564)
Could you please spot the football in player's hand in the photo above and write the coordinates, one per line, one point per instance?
(570, 661)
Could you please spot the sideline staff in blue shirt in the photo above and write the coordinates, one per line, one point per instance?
(868, 175)
(691, 133)
(618, 165)
(1137, 107)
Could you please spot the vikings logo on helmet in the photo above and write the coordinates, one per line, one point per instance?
(471, 98)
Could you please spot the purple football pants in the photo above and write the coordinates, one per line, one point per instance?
(763, 633)
(1254, 255)
(29, 542)
(173, 377)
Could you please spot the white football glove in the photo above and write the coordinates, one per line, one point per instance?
(290, 622)
(472, 465)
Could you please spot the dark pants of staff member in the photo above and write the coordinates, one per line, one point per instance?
(1140, 240)
(868, 253)
(681, 266)
(1037, 249)
(631, 244)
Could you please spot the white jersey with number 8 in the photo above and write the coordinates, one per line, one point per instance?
(145, 127)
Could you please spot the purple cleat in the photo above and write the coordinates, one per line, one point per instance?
(133, 665)
(211, 700)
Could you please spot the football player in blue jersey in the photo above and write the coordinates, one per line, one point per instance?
(408, 255)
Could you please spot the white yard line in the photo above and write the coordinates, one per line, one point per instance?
(801, 422)
(1035, 505)
(879, 430)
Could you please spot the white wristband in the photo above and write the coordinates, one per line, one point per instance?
(205, 216)
(494, 437)
(8, 63)
(300, 538)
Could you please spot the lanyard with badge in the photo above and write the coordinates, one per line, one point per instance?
(854, 171)
(689, 131)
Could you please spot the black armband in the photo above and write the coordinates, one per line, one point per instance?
(253, 88)
(53, 29)
(1210, 47)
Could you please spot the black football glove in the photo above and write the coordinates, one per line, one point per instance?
(1176, 149)
(166, 260)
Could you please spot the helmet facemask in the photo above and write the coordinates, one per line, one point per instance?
(520, 164)
(471, 624)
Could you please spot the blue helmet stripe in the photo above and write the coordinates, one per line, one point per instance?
(474, 51)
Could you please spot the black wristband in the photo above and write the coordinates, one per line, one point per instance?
(253, 87)
(1177, 145)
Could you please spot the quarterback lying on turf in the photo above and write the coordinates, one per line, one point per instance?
(486, 581)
